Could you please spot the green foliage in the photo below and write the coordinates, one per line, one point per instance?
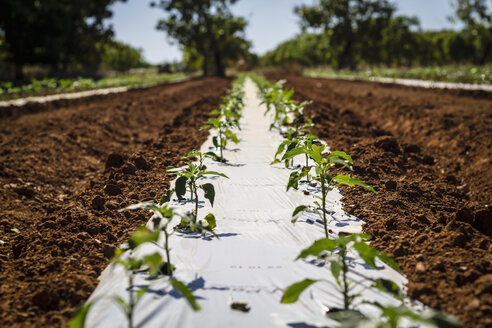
(188, 180)
(453, 73)
(60, 34)
(323, 164)
(226, 119)
(208, 29)
(345, 33)
(52, 85)
(121, 57)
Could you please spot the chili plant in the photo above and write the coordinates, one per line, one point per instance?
(133, 264)
(189, 179)
(336, 253)
(223, 125)
(163, 215)
(323, 164)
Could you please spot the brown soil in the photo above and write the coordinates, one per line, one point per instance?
(428, 153)
(65, 170)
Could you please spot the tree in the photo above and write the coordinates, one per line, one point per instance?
(209, 28)
(355, 24)
(121, 57)
(477, 16)
(56, 33)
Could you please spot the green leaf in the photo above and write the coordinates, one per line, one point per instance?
(229, 134)
(215, 141)
(209, 190)
(292, 293)
(352, 182)
(367, 253)
(180, 187)
(317, 247)
(293, 180)
(78, 320)
(122, 303)
(141, 206)
(186, 292)
(141, 292)
(166, 198)
(213, 173)
(388, 286)
(154, 262)
(210, 218)
(142, 235)
(341, 154)
(389, 260)
(336, 268)
(294, 152)
(298, 212)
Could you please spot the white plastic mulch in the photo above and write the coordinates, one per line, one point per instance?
(253, 261)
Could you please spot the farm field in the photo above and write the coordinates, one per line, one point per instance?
(428, 153)
(65, 170)
(62, 189)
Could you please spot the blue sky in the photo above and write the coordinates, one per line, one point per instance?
(270, 22)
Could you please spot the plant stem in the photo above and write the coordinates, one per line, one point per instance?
(131, 303)
(324, 188)
(196, 203)
(307, 165)
(166, 239)
(220, 145)
(346, 300)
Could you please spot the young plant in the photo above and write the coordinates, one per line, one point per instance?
(336, 253)
(189, 179)
(134, 264)
(163, 215)
(323, 164)
(223, 125)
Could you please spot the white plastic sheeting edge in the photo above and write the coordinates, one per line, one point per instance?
(253, 261)
(71, 95)
(412, 82)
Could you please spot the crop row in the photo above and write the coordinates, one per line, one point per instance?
(319, 169)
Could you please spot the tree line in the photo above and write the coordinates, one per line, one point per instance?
(348, 33)
(70, 37)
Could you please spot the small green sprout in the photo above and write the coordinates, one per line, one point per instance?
(335, 252)
(323, 163)
(223, 124)
(188, 180)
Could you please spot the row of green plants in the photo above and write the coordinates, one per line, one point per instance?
(319, 169)
(9, 90)
(449, 73)
(188, 183)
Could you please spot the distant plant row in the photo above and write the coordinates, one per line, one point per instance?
(51, 85)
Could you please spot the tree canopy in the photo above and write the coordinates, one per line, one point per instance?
(207, 28)
(56, 33)
(355, 24)
(477, 17)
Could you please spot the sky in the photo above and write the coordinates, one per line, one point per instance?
(270, 23)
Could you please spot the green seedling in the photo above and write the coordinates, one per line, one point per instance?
(336, 253)
(323, 164)
(163, 215)
(134, 264)
(289, 144)
(151, 263)
(223, 125)
(189, 179)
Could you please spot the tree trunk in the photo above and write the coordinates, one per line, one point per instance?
(19, 73)
(205, 65)
(347, 57)
(219, 66)
(486, 52)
